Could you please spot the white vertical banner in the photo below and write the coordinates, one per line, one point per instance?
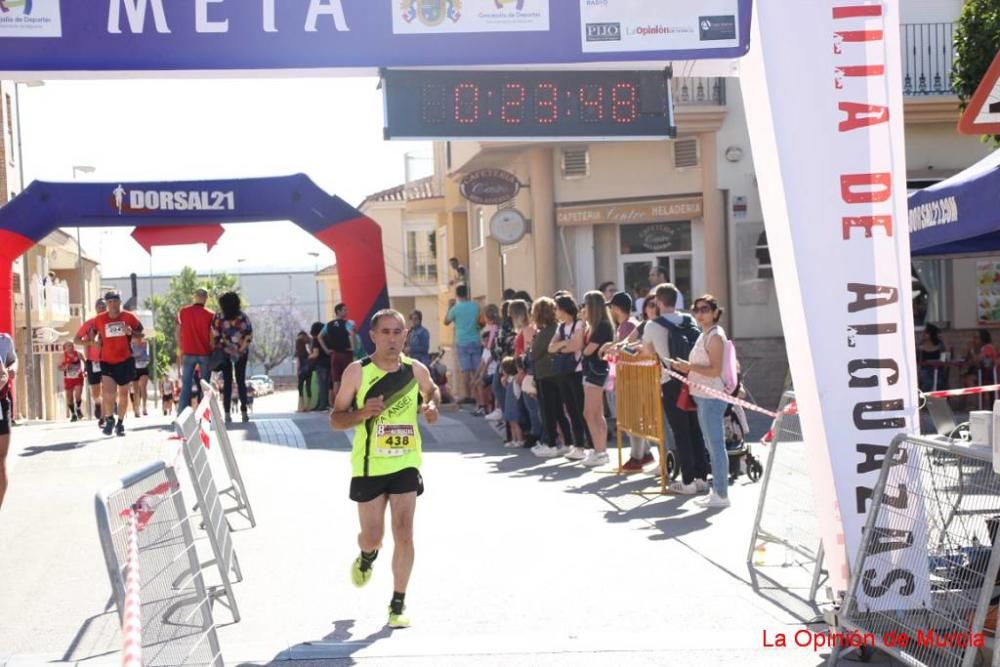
(822, 87)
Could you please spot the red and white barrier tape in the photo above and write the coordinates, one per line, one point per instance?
(715, 393)
(967, 391)
(132, 616)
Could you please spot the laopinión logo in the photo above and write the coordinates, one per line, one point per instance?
(432, 12)
(25, 6)
(604, 32)
(717, 27)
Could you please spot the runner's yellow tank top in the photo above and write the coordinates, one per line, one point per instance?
(390, 442)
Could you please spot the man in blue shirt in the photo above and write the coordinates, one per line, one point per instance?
(418, 340)
(465, 316)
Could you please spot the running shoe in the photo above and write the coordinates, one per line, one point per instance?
(576, 454)
(631, 466)
(360, 577)
(495, 416)
(595, 459)
(119, 429)
(74, 418)
(713, 500)
(701, 485)
(109, 426)
(400, 620)
(513, 444)
(683, 489)
(478, 412)
(561, 450)
(246, 418)
(546, 452)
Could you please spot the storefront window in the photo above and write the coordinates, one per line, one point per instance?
(665, 245)
(656, 237)
(930, 291)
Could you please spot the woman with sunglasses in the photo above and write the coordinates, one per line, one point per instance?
(704, 369)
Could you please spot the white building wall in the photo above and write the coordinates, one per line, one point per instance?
(929, 11)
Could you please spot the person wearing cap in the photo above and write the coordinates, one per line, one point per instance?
(113, 330)
(196, 341)
(92, 365)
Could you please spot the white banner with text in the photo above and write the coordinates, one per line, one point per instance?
(823, 93)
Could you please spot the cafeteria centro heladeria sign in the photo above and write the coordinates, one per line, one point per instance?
(66, 38)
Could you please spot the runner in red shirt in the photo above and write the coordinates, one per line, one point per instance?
(114, 329)
(72, 368)
(92, 366)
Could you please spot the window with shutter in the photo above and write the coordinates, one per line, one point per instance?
(685, 153)
(575, 163)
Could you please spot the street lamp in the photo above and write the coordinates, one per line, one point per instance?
(315, 256)
(83, 169)
(33, 383)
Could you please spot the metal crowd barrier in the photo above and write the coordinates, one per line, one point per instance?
(177, 623)
(786, 513)
(954, 493)
(639, 406)
(236, 490)
(210, 506)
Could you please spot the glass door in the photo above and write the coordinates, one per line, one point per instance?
(637, 273)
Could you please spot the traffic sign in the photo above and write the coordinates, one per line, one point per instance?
(982, 115)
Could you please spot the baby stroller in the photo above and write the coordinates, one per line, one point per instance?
(735, 429)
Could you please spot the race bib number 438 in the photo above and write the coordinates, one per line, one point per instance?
(394, 439)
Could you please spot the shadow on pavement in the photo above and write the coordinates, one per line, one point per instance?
(35, 450)
(337, 647)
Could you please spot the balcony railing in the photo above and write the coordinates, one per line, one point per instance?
(928, 54)
(699, 91)
(421, 269)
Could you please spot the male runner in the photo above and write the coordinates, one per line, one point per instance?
(381, 395)
(114, 329)
(92, 366)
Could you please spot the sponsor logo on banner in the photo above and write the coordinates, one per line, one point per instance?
(148, 201)
(604, 32)
(457, 16)
(638, 25)
(30, 18)
(716, 27)
(841, 261)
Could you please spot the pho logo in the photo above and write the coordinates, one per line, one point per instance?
(717, 27)
(431, 12)
(24, 5)
(604, 32)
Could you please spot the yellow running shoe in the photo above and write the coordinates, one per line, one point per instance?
(400, 620)
(360, 577)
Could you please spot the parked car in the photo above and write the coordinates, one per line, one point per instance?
(262, 384)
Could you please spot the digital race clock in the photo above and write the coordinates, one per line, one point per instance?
(430, 104)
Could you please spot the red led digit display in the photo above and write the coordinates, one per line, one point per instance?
(514, 96)
(624, 103)
(531, 104)
(466, 103)
(592, 103)
(546, 103)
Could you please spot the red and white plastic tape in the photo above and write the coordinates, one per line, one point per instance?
(967, 391)
(132, 616)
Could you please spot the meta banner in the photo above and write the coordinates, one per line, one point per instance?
(63, 37)
(825, 112)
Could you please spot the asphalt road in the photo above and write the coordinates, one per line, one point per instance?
(520, 561)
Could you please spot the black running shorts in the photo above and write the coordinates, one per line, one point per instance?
(5, 409)
(122, 373)
(365, 489)
(93, 377)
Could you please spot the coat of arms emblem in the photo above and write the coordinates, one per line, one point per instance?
(431, 12)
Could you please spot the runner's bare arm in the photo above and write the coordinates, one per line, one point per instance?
(344, 416)
(3, 375)
(429, 390)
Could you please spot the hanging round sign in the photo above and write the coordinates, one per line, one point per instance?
(490, 186)
(508, 226)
